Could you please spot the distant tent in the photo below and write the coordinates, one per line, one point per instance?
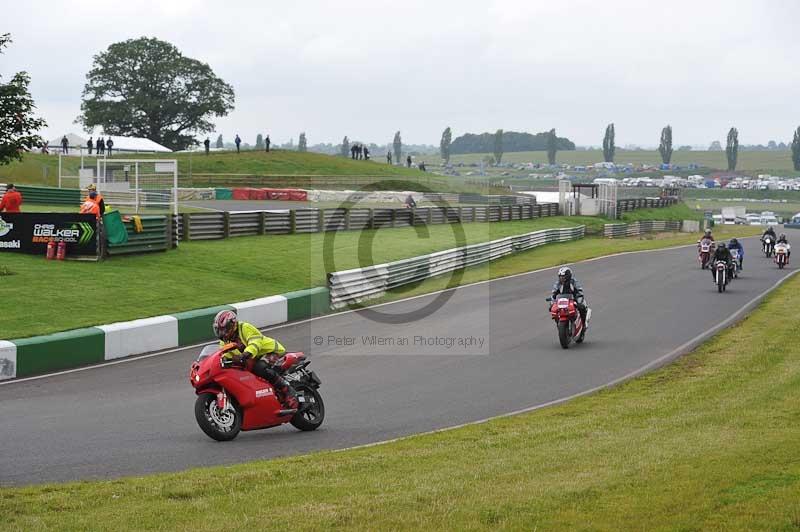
(121, 144)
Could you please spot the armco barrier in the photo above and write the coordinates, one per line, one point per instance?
(156, 236)
(50, 196)
(215, 225)
(631, 204)
(70, 349)
(638, 228)
(357, 285)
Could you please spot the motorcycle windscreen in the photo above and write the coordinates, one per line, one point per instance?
(207, 352)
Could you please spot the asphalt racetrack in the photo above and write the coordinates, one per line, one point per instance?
(488, 349)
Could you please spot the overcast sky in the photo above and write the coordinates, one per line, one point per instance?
(332, 68)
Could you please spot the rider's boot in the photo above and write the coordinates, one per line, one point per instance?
(287, 397)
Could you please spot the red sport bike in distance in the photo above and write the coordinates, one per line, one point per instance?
(564, 312)
(230, 398)
(705, 247)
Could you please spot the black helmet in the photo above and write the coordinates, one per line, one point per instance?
(564, 274)
(782, 236)
(734, 242)
(722, 245)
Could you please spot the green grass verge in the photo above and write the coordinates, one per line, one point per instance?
(200, 274)
(709, 442)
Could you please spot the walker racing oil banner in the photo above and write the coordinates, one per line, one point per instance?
(30, 232)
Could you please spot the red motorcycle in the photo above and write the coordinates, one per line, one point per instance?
(564, 311)
(230, 398)
(704, 249)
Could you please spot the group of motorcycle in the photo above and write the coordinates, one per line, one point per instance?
(724, 272)
(779, 251)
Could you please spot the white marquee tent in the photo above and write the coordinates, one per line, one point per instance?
(77, 144)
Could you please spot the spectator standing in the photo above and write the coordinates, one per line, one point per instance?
(101, 146)
(64, 145)
(110, 145)
(90, 145)
(389, 158)
(267, 142)
(353, 151)
(360, 152)
(12, 199)
(366, 153)
(408, 161)
(238, 141)
(207, 144)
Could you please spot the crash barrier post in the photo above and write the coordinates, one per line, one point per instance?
(360, 284)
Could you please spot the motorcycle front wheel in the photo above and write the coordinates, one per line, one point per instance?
(220, 425)
(564, 335)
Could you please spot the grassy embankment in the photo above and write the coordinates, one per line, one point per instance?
(206, 273)
(709, 442)
(277, 168)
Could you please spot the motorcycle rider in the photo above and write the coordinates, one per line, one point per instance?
(252, 343)
(735, 244)
(771, 232)
(783, 240)
(722, 253)
(567, 284)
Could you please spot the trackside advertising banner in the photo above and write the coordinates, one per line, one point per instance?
(30, 232)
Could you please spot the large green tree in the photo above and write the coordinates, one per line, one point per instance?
(397, 143)
(220, 144)
(146, 88)
(552, 146)
(608, 144)
(732, 148)
(18, 125)
(498, 146)
(259, 141)
(665, 146)
(302, 143)
(796, 150)
(444, 145)
(345, 152)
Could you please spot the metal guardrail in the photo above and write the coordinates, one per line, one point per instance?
(217, 225)
(641, 227)
(353, 286)
(631, 204)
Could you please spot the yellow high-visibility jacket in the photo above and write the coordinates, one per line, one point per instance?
(256, 344)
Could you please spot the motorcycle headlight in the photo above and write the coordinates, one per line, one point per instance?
(197, 378)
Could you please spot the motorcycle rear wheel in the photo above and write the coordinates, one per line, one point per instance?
(312, 409)
(564, 334)
(209, 417)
